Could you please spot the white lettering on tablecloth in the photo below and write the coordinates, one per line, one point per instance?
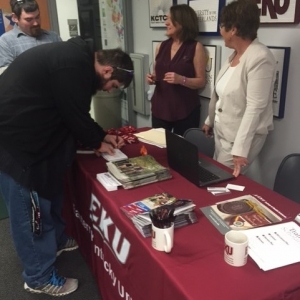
(115, 281)
(101, 223)
(83, 223)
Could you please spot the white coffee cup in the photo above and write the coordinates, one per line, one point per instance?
(163, 238)
(236, 248)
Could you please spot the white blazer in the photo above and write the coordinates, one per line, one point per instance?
(246, 107)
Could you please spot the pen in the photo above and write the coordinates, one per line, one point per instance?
(117, 138)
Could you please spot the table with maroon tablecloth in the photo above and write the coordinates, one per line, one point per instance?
(125, 265)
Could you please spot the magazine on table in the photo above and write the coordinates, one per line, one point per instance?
(245, 212)
(138, 212)
(137, 171)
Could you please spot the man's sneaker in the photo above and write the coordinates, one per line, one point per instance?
(68, 246)
(56, 286)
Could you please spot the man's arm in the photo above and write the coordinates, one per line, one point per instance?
(6, 55)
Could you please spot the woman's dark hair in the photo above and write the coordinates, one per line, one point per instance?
(185, 16)
(27, 5)
(242, 14)
(120, 61)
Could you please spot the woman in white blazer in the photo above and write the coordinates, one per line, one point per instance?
(240, 110)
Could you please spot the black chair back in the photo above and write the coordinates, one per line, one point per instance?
(287, 180)
(206, 145)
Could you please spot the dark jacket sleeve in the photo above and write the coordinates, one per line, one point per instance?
(73, 89)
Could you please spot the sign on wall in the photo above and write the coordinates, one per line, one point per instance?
(158, 10)
(213, 63)
(208, 12)
(282, 58)
(279, 11)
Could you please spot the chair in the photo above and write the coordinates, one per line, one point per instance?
(287, 180)
(206, 145)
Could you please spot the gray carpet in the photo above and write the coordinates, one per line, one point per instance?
(70, 264)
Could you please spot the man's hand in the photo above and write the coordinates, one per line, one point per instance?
(105, 148)
(239, 163)
(114, 140)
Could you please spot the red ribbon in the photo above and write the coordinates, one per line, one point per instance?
(126, 133)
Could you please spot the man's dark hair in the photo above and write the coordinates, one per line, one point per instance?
(185, 16)
(120, 61)
(27, 5)
(242, 14)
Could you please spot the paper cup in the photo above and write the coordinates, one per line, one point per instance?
(163, 238)
(236, 248)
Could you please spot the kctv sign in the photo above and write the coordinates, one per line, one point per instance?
(279, 11)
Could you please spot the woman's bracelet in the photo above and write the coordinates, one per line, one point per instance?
(184, 80)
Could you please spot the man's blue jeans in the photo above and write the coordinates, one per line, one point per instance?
(37, 250)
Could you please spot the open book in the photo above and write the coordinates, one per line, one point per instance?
(240, 213)
(137, 171)
(138, 212)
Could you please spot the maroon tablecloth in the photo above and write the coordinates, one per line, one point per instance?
(125, 265)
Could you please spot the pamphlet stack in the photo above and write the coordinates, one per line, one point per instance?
(138, 212)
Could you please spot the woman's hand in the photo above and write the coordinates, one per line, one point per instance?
(239, 163)
(207, 130)
(173, 78)
(151, 79)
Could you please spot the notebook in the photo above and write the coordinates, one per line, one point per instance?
(183, 158)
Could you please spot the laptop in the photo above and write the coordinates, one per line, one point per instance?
(183, 158)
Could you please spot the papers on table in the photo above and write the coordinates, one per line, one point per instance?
(119, 155)
(274, 246)
(155, 136)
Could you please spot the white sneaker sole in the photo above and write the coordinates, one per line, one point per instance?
(59, 252)
(35, 291)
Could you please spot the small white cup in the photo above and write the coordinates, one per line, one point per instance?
(236, 248)
(163, 238)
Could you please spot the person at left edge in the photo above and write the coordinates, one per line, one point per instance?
(45, 97)
(26, 33)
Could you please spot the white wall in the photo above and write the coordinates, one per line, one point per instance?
(285, 138)
(66, 9)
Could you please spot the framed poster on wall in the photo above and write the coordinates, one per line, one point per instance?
(208, 13)
(158, 10)
(213, 63)
(282, 57)
(288, 11)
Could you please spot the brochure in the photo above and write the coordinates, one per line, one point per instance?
(245, 212)
(138, 212)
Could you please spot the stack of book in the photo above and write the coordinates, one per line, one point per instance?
(138, 212)
(137, 171)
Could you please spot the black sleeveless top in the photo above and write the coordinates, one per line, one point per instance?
(172, 102)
